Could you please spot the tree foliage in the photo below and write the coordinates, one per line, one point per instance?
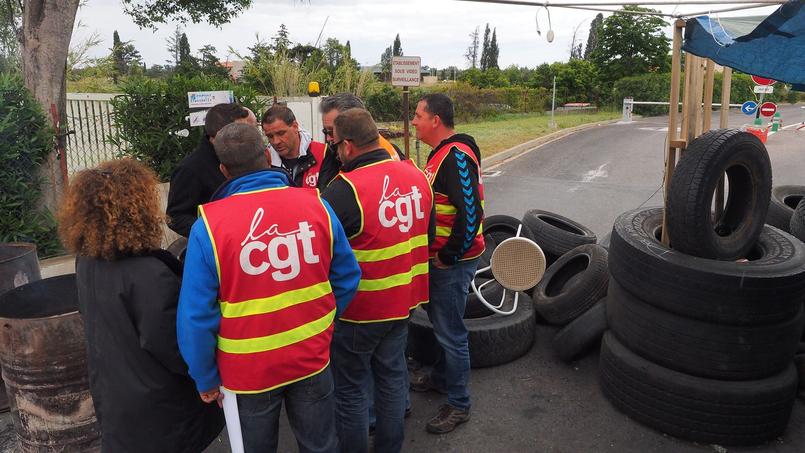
(485, 50)
(592, 37)
(26, 141)
(149, 13)
(630, 44)
(124, 57)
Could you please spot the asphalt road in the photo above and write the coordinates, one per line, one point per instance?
(536, 403)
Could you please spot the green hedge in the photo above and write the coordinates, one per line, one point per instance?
(471, 103)
(657, 87)
(26, 139)
(151, 114)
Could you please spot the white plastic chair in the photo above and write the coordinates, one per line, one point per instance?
(518, 264)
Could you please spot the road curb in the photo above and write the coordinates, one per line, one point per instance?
(523, 148)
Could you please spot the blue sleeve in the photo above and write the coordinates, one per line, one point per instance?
(344, 271)
(199, 314)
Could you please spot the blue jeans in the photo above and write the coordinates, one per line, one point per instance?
(311, 413)
(365, 354)
(448, 298)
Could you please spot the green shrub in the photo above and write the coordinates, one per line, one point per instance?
(26, 139)
(150, 112)
(471, 103)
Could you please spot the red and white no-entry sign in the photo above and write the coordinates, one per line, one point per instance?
(763, 80)
(768, 109)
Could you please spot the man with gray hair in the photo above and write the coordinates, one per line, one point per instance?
(268, 269)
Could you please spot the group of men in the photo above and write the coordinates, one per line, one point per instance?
(305, 260)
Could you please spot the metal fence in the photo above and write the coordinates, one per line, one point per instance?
(89, 117)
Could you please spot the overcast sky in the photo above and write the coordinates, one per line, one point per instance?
(436, 30)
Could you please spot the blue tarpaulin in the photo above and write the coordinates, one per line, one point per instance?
(774, 49)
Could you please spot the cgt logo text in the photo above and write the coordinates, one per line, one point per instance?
(400, 209)
(276, 249)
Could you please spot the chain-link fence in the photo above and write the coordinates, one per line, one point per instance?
(89, 119)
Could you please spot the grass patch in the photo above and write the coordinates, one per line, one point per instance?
(508, 130)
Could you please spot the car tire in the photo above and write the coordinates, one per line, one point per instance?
(692, 408)
(502, 227)
(582, 334)
(768, 289)
(572, 284)
(797, 226)
(700, 348)
(493, 340)
(689, 218)
(555, 234)
(784, 199)
(492, 292)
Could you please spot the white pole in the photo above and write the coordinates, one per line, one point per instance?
(552, 125)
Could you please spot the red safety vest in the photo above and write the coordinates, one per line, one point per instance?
(311, 176)
(277, 306)
(445, 211)
(392, 244)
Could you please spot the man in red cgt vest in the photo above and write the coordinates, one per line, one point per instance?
(454, 171)
(386, 207)
(293, 149)
(268, 269)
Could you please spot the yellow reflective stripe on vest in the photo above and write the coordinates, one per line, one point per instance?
(403, 248)
(391, 281)
(445, 209)
(443, 231)
(275, 303)
(276, 341)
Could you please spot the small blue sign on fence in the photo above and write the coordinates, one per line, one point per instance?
(749, 107)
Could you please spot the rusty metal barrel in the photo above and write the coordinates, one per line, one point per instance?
(18, 266)
(44, 361)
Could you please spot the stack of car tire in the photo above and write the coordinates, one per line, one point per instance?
(703, 333)
(572, 291)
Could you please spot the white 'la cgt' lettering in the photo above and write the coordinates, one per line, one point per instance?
(281, 252)
(400, 209)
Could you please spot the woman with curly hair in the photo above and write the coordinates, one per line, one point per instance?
(128, 290)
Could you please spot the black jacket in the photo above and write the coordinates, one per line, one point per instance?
(193, 182)
(143, 397)
(341, 197)
(447, 183)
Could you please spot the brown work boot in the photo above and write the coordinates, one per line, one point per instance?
(420, 381)
(447, 419)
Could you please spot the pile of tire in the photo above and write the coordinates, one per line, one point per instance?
(494, 339)
(572, 289)
(702, 335)
(784, 200)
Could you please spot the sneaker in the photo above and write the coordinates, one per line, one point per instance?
(420, 381)
(447, 419)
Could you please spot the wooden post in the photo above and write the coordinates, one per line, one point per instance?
(689, 63)
(726, 86)
(709, 80)
(697, 79)
(670, 154)
(405, 122)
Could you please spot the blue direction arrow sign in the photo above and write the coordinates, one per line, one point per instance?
(749, 108)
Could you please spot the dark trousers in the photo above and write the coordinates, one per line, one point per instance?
(365, 354)
(311, 413)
